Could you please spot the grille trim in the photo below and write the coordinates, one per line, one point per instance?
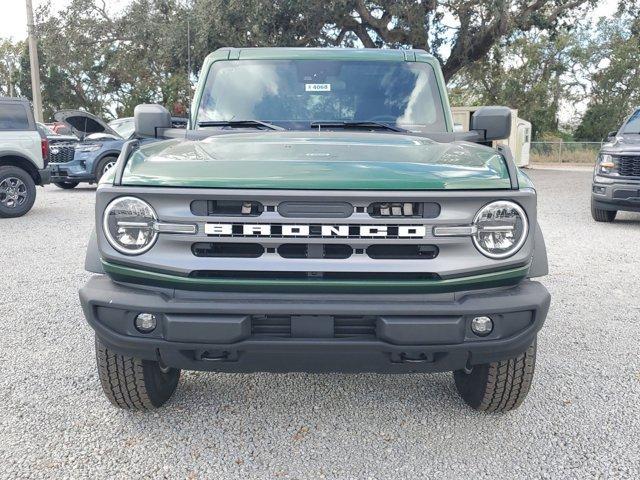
(628, 165)
(65, 152)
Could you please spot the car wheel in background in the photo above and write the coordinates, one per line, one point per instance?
(66, 185)
(104, 165)
(600, 215)
(498, 386)
(17, 192)
(134, 383)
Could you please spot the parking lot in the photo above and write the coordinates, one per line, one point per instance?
(581, 419)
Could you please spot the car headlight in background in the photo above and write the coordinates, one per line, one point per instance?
(606, 165)
(501, 229)
(88, 147)
(130, 225)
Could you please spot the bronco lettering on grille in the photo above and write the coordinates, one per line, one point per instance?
(314, 230)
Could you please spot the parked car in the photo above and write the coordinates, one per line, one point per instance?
(61, 147)
(96, 151)
(616, 178)
(24, 155)
(322, 216)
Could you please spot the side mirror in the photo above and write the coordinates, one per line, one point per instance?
(612, 135)
(493, 123)
(149, 118)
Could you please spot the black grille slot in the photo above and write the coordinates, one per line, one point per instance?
(233, 250)
(354, 326)
(344, 326)
(403, 252)
(404, 209)
(628, 166)
(304, 250)
(311, 276)
(229, 208)
(315, 209)
(625, 194)
(271, 325)
(61, 153)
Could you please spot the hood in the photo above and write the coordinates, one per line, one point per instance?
(62, 139)
(83, 123)
(317, 161)
(625, 143)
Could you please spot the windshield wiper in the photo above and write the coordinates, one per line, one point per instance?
(240, 124)
(363, 124)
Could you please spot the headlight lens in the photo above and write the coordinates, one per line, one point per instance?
(606, 165)
(129, 225)
(502, 229)
(88, 147)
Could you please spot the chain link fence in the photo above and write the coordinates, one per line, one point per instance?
(564, 152)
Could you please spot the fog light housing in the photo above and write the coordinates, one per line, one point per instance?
(145, 322)
(482, 326)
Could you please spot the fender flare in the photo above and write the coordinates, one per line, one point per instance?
(540, 263)
(92, 261)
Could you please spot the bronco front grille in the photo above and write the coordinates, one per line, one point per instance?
(62, 153)
(628, 165)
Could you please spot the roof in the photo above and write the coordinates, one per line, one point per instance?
(254, 53)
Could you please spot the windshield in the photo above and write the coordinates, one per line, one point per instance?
(295, 93)
(633, 124)
(124, 127)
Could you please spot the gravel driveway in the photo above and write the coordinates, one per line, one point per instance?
(581, 419)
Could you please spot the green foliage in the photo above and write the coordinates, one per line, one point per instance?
(615, 87)
(108, 62)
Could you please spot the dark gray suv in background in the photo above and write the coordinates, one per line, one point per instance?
(616, 179)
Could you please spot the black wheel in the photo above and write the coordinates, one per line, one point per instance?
(66, 185)
(600, 215)
(104, 165)
(498, 386)
(17, 192)
(133, 383)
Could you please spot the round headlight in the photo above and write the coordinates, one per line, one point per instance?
(501, 229)
(129, 225)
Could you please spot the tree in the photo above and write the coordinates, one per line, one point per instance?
(458, 32)
(10, 67)
(533, 72)
(615, 86)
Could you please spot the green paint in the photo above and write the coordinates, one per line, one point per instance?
(168, 280)
(318, 161)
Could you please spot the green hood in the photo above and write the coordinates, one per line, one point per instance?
(317, 161)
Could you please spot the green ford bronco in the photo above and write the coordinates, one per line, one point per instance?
(318, 215)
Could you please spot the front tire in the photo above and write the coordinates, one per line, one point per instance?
(498, 386)
(104, 165)
(17, 192)
(66, 185)
(132, 383)
(600, 215)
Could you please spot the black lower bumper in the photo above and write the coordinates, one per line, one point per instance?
(59, 174)
(622, 194)
(315, 333)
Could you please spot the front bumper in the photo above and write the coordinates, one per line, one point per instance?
(244, 332)
(70, 172)
(609, 193)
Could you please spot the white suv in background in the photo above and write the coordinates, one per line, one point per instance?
(23, 157)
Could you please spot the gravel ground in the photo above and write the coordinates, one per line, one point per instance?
(581, 419)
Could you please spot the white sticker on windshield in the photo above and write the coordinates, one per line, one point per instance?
(317, 87)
